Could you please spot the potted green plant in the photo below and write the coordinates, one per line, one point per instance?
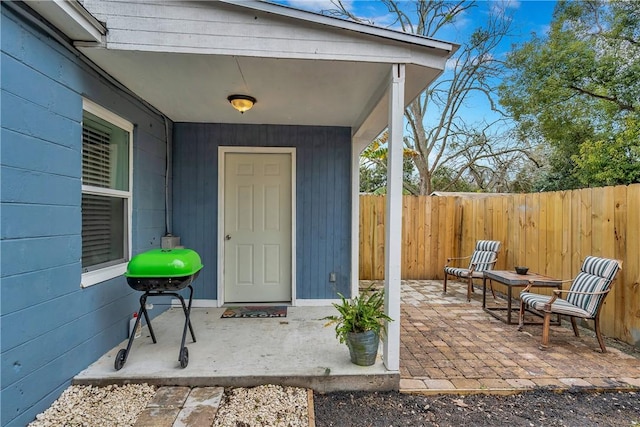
(360, 324)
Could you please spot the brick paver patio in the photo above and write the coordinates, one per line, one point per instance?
(451, 345)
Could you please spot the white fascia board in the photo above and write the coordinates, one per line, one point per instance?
(446, 49)
(70, 17)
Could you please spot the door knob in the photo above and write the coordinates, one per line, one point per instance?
(227, 237)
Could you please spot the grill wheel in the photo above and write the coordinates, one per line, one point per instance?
(184, 357)
(120, 358)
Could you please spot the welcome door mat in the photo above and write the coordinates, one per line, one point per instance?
(254, 312)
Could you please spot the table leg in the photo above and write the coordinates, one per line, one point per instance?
(484, 292)
(509, 288)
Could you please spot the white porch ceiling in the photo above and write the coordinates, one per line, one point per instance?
(190, 87)
(186, 57)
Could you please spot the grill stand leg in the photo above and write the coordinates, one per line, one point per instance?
(187, 313)
(143, 309)
(123, 354)
(183, 357)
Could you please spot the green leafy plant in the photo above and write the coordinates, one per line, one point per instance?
(360, 314)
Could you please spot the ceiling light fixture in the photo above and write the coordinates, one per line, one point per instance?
(241, 103)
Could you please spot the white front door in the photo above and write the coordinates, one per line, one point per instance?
(257, 227)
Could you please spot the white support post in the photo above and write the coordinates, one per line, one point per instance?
(358, 145)
(393, 227)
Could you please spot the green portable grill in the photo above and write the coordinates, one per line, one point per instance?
(162, 272)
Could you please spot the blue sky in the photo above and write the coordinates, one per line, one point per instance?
(532, 16)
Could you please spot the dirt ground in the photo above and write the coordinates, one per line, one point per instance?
(539, 407)
(534, 408)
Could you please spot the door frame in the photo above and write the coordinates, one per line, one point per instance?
(222, 152)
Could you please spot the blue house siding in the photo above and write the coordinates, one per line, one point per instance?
(51, 327)
(323, 209)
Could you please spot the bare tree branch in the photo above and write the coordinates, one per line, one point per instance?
(436, 130)
(622, 105)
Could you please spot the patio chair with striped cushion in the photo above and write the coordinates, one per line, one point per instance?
(484, 258)
(584, 298)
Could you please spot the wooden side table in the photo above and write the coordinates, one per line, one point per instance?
(511, 280)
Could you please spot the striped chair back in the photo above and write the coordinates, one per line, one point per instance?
(596, 275)
(485, 254)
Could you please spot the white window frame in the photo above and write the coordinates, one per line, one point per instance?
(101, 275)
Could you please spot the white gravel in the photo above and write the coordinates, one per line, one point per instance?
(120, 406)
(267, 405)
(110, 406)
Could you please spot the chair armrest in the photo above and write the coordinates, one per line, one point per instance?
(475, 264)
(548, 304)
(453, 258)
(532, 283)
(491, 261)
(557, 292)
(561, 291)
(528, 287)
(463, 257)
(552, 298)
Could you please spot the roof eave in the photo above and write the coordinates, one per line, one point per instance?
(71, 18)
(446, 49)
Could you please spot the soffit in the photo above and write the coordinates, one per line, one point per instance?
(185, 58)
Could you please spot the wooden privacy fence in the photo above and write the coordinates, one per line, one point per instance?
(551, 233)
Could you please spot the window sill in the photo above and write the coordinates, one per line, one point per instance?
(94, 277)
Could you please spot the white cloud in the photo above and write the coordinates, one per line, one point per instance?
(512, 4)
(544, 29)
(502, 5)
(452, 64)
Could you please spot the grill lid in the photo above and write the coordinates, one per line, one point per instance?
(164, 263)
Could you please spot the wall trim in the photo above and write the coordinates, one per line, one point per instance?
(213, 303)
(196, 303)
(316, 302)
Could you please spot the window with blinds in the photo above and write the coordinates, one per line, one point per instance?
(96, 155)
(106, 193)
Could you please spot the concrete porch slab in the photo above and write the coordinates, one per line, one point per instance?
(297, 350)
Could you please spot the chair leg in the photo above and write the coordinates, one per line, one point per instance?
(444, 289)
(575, 326)
(469, 289)
(545, 330)
(599, 334)
(492, 291)
(521, 316)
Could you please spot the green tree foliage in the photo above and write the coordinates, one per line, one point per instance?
(373, 168)
(578, 89)
(610, 162)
